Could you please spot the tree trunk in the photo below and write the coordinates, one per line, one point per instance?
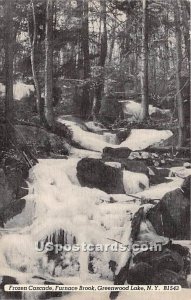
(186, 29)
(144, 77)
(33, 40)
(49, 115)
(179, 99)
(9, 55)
(166, 57)
(86, 105)
(113, 37)
(103, 54)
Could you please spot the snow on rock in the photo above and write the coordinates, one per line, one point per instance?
(95, 126)
(133, 110)
(140, 139)
(2, 89)
(20, 90)
(82, 153)
(113, 164)
(158, 191)
(87, 140)
(24, 218)
(110, 138)
(134, 182)
(181, 172)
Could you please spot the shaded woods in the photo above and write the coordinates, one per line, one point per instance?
(87, 57)
(94, 142)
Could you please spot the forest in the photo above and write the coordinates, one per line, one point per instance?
(94, 122)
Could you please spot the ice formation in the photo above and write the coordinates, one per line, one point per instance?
(57, 202)
(138, 139)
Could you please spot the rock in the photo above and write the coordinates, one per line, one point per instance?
(160, 267)
(110, 138)
(95, 127)
(160, 260)
(40, 141)
(135, 166)
(186, 186)
(110, 153)
(132, 165)
(187, 165)
(58, 145)
(189, 281)
(174, 210)
(11, 210)
(20, 90)
(122, 135)
(158, 175)
(110, 109)
(49, 294)
(16, 172)
(156, 179)
(168, 277)
(134, 182)
(5, 191)
(9, 295)
(140, 273)
(94, 173)
(13, 175)
(164, 172)
(113, 164)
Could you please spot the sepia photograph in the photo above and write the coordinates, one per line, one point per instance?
(95, 166)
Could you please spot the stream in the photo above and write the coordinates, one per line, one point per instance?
(57, 206)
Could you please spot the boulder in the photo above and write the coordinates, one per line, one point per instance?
(5, 191)
(94, 173)
(135, 166)
(156, 179)
(110, 154)
(13, 176)
(168, 277)
(11, 210)
(132, 165)
(110, 138)
(49, 294)
(9, 295)
(122, 135)
(140, 273)
(95, 127)
(134, 182)
(174, 211)
(158, 176)
(164, 172)
(40, 141)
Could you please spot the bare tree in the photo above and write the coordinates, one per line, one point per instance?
(33, 39)
(86, 105)
(144, 77)
(9, 54)
(186, 28)
(103, 54)
(179, 99)
(49, 115)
